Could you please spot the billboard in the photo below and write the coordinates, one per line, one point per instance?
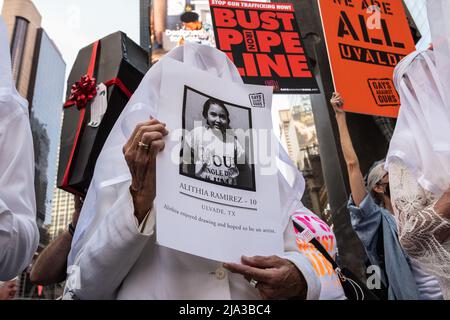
(365, 41)
(263, 40)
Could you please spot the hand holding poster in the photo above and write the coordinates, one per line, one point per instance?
(264, 42)
(365, 40)
(215, 198)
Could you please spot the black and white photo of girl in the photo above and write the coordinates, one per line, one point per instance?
(211, 149)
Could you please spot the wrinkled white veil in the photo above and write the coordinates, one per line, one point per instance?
(422, 135)
(111, 169)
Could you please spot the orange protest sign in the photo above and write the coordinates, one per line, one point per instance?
(365, 41)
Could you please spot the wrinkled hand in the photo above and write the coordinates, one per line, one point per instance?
(337, 102)
(142, 163)
(277, 278)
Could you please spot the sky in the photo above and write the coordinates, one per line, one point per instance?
(74, 24)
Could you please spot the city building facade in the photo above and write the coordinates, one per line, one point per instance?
(144, 21)
(298, 136)
(23, 21)
(62, 211)
(45, 96)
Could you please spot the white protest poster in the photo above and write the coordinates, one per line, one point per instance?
(217, 186)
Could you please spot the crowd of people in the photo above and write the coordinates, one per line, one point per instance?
(399, 209)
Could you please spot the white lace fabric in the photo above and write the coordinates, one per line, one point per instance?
(418, 224)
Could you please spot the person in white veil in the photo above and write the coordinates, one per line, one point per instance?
(418, 159)
(114, 254)
(18, 231)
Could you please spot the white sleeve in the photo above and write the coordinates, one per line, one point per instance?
(19, 235)
(108, 256)
(302, 263)
(323, 283)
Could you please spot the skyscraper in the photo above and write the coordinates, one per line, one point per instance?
(23, 21)
(45, 95)
(62, 211)
(63, 206)
(145, 9)
(299, 138)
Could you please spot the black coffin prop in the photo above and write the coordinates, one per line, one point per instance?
(115, 58)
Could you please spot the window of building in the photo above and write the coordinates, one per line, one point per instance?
(18, 46)
(299, 137)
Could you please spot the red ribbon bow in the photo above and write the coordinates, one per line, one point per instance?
(83, 91)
